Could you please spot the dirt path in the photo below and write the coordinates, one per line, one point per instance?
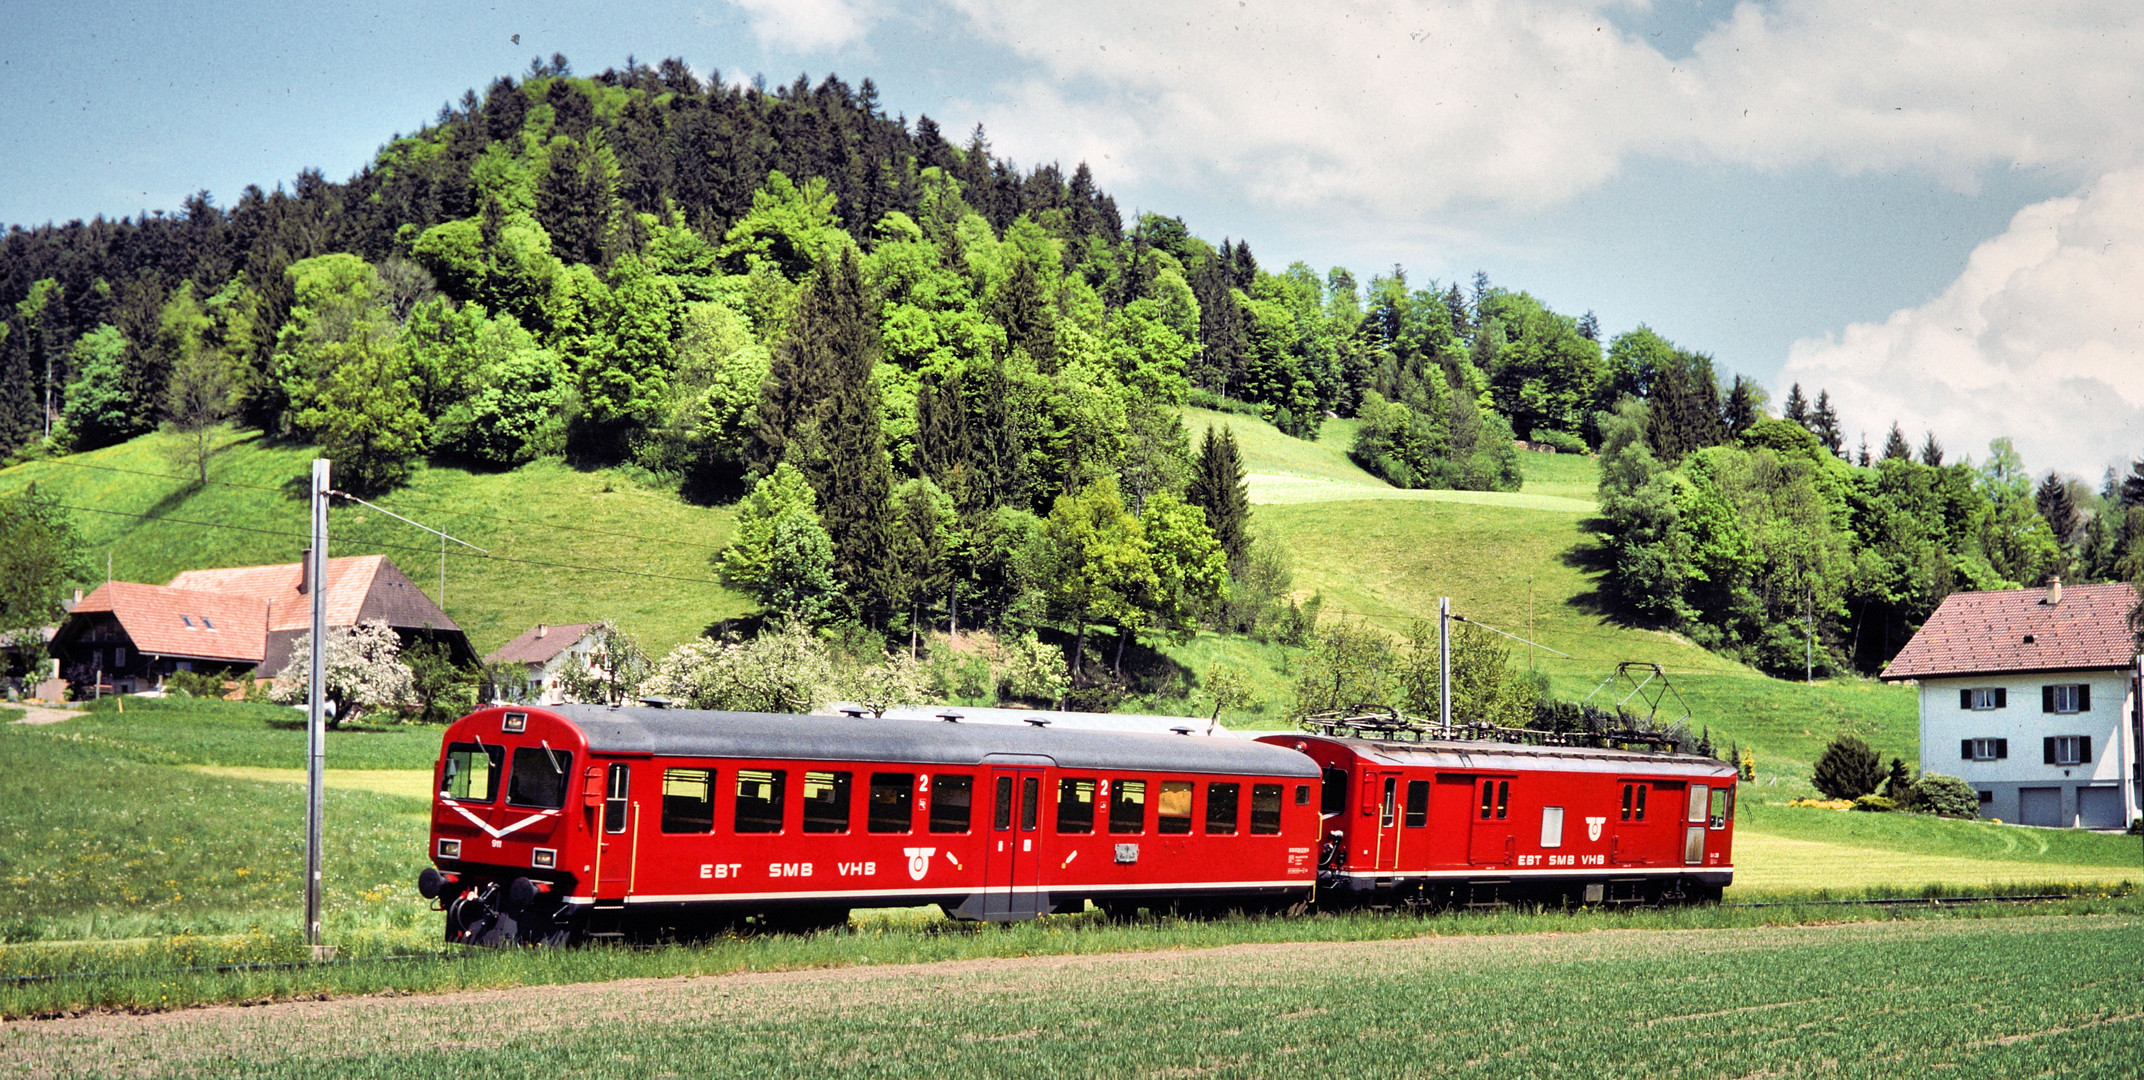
(214, 1039)
(38, 714)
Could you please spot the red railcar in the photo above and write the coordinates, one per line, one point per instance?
(554, 824)
(1464, 822)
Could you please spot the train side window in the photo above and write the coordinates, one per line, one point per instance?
(1723, 803)
(1265, 809)
(473, 772)
(1634, 802)
(615, 792)
(1333, 799)
(1626, 802)
(759, 799)
(826, 802)
(1030, 801)
(539, 777)
(1641, 801)
(1002, 816)
(1503, 798)
(1172, 810)
(1221, 809)
(1699, 799)
(688, 800)
(952, 799)
(1388, 806)
(1551, 826)
(893, 802)
(1127, 806)
(1417, 803)
(1488, 798)
(1075, 805)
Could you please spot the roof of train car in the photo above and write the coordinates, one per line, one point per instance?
(1467, 754)
(702, 733)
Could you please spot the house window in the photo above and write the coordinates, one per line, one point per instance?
(119, 656)
(2073, 698)
(1983, 699)
(1984, 749)
(2068, 749)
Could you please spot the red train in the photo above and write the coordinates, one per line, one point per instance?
(574, 822)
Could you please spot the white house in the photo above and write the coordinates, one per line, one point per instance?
(2030, 696)
(541, 655)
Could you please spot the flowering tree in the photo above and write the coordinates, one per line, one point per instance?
(364, 671)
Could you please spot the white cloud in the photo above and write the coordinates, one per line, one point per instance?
(807, 25)
(2041, 339)
(1395, 109)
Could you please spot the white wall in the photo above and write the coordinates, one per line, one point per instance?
(1944, 724)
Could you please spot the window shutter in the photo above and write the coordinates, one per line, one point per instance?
(2047, 699)
(2084, 749)
(1965, 699)
(2002, 749)
(1965, 749)
(2002, 697)
(2084, 697)
(2047, 750)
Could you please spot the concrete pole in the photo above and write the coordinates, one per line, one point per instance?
(1444, 661)
(316, 733)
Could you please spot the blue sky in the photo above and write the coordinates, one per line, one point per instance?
(1936, 213)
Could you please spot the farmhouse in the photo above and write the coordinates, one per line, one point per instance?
(126, 636)
(2030, 695)
(532, 664)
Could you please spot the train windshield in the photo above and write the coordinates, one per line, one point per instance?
(473, 772)
(539, 777)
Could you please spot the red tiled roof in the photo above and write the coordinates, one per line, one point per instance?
(1983, 633)
(539, 644)
(163, 621)
(352, 582)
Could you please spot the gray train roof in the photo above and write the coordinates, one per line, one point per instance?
(1197, 727)
(1496, 756)
(700, 733)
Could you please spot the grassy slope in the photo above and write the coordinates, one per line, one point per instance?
(492, 599)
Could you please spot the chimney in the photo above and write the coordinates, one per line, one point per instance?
(2054, 591)
(305, 572)
(541, 630)
(70, 605)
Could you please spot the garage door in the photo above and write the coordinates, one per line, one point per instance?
(2040, 806)
(2100, 808)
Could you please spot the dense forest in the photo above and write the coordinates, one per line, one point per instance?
(945, 387)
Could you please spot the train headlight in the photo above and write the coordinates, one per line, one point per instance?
(544, 857)
(450, 849)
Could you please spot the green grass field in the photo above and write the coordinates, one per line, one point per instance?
(1878, 1000)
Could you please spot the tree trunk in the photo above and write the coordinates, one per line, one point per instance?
(1079, 651)
(1116, 666)
(914, 637)
(952, 603)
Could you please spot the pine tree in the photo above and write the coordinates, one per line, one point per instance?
(1797, 406)
(1931, 452)
(2056, 504)
(2132, 491)
(1863, 459)
(1745, 405)
(1895, 447)
(1847, 769)
(1824, 421)
(1218, 488)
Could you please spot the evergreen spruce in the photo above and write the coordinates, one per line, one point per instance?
(1847, 769)
(1218, 487)
(2055, 503)
(1797, 406)
(1895, 447)
(1824, 421)
(1931, 452)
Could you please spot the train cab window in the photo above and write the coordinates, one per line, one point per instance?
(1417, 803)
(1333, 798)
(1302, 794)
(1172, 809)
(1634, 802)
(1221, 809)
(1075, 805)
(616, 788)
(1699, 800)
(1003, 815)
(759, 799)
(826, 802)
(1723, 806)
(952, 799)
(473, 772)
(1030, 801)
(688, 800)
(1388, 807)
(539, 777)
(1495, 799)
(1127, 806)
(893, 797)
(1265, 809)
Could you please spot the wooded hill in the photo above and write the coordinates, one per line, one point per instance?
(943, 386)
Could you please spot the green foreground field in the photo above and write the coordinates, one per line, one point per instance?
(1870, 1000)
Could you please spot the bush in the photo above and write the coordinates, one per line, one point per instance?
(1564, 441)
(1875, 804)
(1946, 795)
(1847, 769)
(197, 684)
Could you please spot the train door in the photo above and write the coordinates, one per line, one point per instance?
(1381, 800)
(1494, 841)
(1012, 866)
(616, 826)
(1451, 821)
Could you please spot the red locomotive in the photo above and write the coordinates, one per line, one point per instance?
(556, 824)
(560, 824)
(1460, 822)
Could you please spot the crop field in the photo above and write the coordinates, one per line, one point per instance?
(1878, 1000)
